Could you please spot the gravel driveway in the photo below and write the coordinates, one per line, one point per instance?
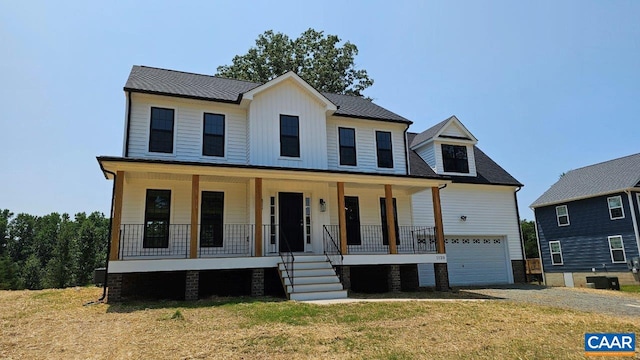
(601, 301)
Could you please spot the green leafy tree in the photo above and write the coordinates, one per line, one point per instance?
(5, 218)
(8, 273)
(31, 274)
(22, 234)
(314, 56)
(530, 240)
(58, 271)
(89, 246)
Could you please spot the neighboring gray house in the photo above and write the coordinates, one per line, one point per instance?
(587, 222)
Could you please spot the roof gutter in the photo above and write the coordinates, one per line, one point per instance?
(524, 255)
(127, 126)
(406, 151)
(633, 218)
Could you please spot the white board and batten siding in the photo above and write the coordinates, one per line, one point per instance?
(287, 98)
(188, 129)
(366, 154)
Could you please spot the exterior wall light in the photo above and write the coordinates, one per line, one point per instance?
(323, 205)
(463, 218)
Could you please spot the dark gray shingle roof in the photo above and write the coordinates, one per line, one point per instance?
(489, 172)
(598, 179)
(429, 133)
(206, 87)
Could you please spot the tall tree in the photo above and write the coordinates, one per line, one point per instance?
(58, 271)
(530, 239)
(314, 56)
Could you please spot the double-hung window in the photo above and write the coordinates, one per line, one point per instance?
(213, 135)
(211, 219)
(347, 146)
(289, 136)
(384, 149)
(454, 158)
(556, 252)
(562, 213)
(156, 219)
(616, 248)
(161, 132)
(615, 208)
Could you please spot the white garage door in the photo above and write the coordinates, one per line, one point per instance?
(472, 260)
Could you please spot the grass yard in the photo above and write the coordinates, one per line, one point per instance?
(53, 324)
(635, 289)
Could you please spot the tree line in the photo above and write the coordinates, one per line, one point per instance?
(51, 251)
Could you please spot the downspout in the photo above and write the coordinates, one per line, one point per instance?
(406, 151)
(524, 255)
(634, 219)
(127, 127)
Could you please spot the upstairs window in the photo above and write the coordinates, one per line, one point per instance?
(563, 215)
(615, 208)
(161, 134)
(616, 248)
(556, 252)
(384, 149)
(455, 159)
(213, 135)
(347, 146)
(289, 136)
(156, 219)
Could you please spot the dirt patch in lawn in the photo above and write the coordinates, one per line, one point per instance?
(53, 324)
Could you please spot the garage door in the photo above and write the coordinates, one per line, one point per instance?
(472, 260)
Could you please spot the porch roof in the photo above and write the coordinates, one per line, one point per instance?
(111, 164)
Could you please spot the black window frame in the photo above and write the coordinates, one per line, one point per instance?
(161, 138)
(156, 223)
(347, 151)
(352, 217)
(383, 217)
(211, 219)
(213, 144)
(459, 162)
(289, 143)
(384, 155)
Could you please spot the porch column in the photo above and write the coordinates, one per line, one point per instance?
(440, 269)
(116, 216)
(342, 219)
(391, 225)
(195, 197)
(258, 217)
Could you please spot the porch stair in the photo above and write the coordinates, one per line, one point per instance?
(313, 279)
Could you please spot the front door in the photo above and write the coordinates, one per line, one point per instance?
(291, 222)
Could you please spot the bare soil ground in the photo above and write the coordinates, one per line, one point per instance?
(54, 324)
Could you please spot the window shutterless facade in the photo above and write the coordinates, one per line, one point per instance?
(556, 252)
(347, 140)
(213, 135)
(161, 130)
(289, 136)
(156, 219)
(384, 149)
(615, 208)
(211, 219)
(616, 248)
(454, 159)
(562, 214)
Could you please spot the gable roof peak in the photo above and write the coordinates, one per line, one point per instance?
(437, 130)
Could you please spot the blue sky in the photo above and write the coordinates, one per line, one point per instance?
(545, 86)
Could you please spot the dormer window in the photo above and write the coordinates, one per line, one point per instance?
(455, 159)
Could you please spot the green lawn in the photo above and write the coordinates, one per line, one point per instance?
(630, 288)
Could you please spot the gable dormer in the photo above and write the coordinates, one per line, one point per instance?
(448, 148)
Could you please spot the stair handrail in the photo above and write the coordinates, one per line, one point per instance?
(288, 267)
(329, 242)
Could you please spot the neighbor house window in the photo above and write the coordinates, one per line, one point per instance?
(211, 219)
(289, 136)
(615, 208)
(454, 158)
(161, 133)
(556, 252)
(616, 247)
(156, 219)
(213, 135)
(384, 149)
(563, 215)
(347, 146)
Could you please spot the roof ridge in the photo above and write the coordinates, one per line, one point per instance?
(192, 73)
(603, 162)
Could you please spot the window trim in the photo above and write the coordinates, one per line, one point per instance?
(558, 215)
(355, 146)
(174, 132)
(610, 208)
(224, 217)
(292, 157)
(225, 137)
(466, 148)
(375, 138)
(624, 253)
(559, 252)
(170, 219)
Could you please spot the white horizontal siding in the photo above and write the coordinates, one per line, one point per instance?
(428, 154)
(287, 98)
(440, 164)
(367, 160)
(490, 211)
(454, 130)
(188, 128)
